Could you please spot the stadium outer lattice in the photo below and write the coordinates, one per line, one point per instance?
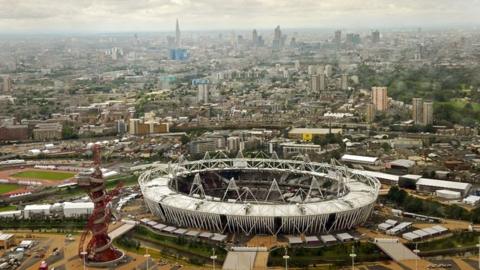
(350, 206)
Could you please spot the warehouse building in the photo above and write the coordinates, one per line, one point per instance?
(36, 210)
(307, 134)
(6, 240)
(432, 185)
(71, 210)
(361, 160)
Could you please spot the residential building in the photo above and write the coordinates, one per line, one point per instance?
(417, 111)
(47, 131)
(427, 113)
(370, 115)
(380, 98)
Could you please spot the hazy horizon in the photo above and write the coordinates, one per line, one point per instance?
(123, 16)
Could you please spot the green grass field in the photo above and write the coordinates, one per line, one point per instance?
(44, 175)
(8, 208)
(5, 188)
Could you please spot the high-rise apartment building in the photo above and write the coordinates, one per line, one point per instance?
(427, 113)
(422, 112)
(344, 82)
(370, 115)
(203, 93)
(417, 111)
(318, 83)
(380, 98)
(7, 84)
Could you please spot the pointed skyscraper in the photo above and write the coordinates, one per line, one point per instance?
(177, 35)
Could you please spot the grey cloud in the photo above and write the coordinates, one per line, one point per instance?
(53, 15)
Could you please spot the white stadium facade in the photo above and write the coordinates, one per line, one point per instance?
(259, 195)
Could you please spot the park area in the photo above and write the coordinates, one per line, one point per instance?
(43, 175)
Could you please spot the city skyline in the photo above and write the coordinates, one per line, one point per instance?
(152, 16)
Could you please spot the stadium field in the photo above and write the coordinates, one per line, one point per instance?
(44, 175)
(5, 188)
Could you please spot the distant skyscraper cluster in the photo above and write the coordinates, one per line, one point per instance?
(257, 40)
(176, 51)
(338, 37)
(354, 38)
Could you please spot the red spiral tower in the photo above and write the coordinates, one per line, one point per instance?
(99, 248)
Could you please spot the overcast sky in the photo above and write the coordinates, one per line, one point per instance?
(18, 16)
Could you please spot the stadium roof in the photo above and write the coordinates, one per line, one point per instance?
(358, 196)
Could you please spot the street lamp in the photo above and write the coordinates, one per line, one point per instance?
(286, 258)
(416, 251)
(146, 256)
(478, 245)
(353, 255)
(84, 255)
(213, 257)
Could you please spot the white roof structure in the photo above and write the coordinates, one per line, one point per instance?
(359, 194)
(391, 222)
(441, 184)
(421, 233)
(144, 220)
(384, 226)
(206, 234)
(344, 237)
(403, 163)
(359, 159)
(440, 229)
(152, 223)
(159, 226)
(5, 236)
(37, 207)
(78, 205)
(311, 238)
(26, 244)
(292, 240)
(399, 228)
(379, 175)
(411, 236)
(169, 229)
(448, 194)
(414, 177)
(328, 238)
(180, 231)
(472, 200)
(219, 237)
(424, 233)
(15, 213)
(193, 233)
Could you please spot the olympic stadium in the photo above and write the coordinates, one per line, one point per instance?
(259, 195)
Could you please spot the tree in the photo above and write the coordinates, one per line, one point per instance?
(68, 132)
